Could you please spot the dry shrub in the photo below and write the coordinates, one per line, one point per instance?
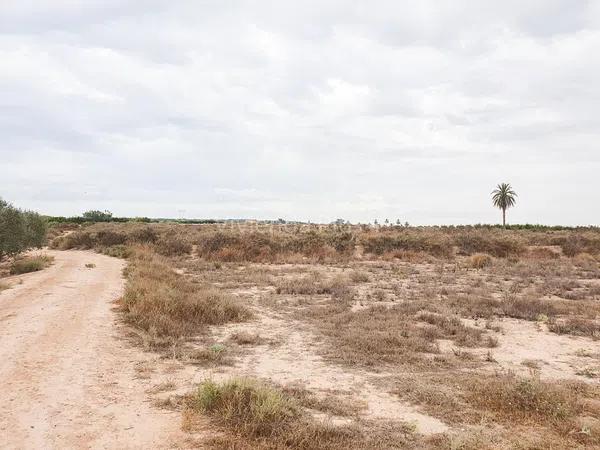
(480, 260)
(107, 238)
(246, 338)
(475, 306)
(316, 284)
(527, 308)
(30, 264)
(3, 286)
(452, 328)
(576, 326)
(257, 416)
(372, 336)
(116, 251)
(173, 245)
(78, 239)
(524, 400)
(144, 235)
(163, 303)
(586, 261)
(213, 355)
(498, 245)
(542, 253)
(275, 247)
(358, 276)
(389, 242)
(575, 243)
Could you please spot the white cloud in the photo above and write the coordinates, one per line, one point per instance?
(307, 110)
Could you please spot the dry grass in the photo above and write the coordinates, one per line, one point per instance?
(3, 286)
(28, 264)
(316, 284)
(480, 260)
(163, 303)
(576, 326)
(383, 335)
(246, 338)
(403, 303)
(252, 415)
(264, 417)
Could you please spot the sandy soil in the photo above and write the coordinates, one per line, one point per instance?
(68, 376)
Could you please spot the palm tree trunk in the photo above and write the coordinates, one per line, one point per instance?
(504, 217)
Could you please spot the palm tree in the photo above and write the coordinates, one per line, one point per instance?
(504, 197)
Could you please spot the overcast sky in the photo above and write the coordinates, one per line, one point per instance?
(307, 110)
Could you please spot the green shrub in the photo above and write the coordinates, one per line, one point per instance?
(19, 230)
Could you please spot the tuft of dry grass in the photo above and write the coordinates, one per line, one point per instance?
(173, 245)
(3, 286)
(246, 338)
(576, 326)
(254, 415)
(358, 276)
(528, 308)
(164, 304)
(524, 400)
(316, 284)
(480, 260)
(30, 264)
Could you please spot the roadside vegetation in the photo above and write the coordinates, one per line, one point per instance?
(28, 264)
(470, 326)
(19, 230)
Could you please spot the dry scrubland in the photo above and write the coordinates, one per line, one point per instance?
(461, 338)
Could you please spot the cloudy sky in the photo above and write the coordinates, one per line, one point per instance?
(306, 110)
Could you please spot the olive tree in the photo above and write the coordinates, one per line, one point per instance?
(19, 230)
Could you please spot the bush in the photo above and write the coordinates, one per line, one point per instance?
(499, 246)
(430, 243)
(524, 400)
(144, 235)
(254, 415)
(172, 245)
(30, 264)
(165, 304)
(82, 240)
(480, 260)
(253, 409)
(109, 238)
(97, 216)
(19, 230)
(576, 327)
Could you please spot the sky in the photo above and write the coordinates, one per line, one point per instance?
(311, 110)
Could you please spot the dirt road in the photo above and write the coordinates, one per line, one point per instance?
(68, 378)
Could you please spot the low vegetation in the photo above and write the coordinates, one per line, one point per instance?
(166, 305)
(424, 316)
(253, 415)
(30, 264)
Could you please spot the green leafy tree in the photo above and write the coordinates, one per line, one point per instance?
(97, 216)
(36, 228)
(504, 197)
(19, 231)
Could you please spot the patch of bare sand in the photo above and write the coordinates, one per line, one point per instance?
(524, 345)
(295, 361)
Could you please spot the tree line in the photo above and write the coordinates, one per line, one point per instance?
(20, 230)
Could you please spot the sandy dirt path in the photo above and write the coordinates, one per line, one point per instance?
(67, 375)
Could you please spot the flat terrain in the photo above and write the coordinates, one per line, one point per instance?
(305, 339)
(68, 379)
